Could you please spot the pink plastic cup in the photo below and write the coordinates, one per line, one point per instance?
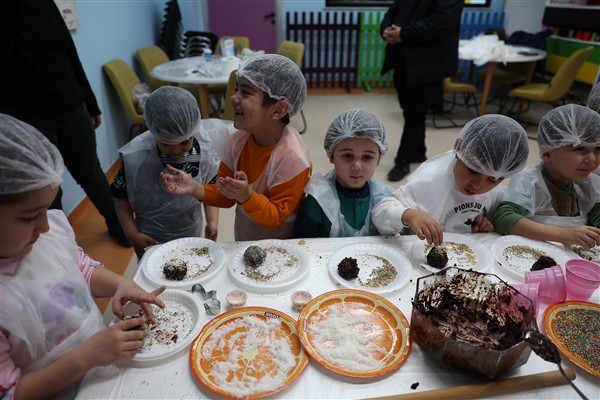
(582, 278)
(552, 283)
(531, 291)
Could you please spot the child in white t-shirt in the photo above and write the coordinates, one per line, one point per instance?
(457, 190)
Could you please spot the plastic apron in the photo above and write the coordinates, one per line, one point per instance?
(323, 189)
(432, 190)
(47, 307)
(161, 215)
(288, 158)
(528, 189)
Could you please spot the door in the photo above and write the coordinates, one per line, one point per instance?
(252, 18)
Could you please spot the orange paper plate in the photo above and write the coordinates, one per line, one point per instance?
(355, 333)
(573, 326)
(239, 354)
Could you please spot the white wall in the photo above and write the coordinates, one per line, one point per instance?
(523, 15)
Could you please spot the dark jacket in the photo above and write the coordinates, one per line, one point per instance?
(429, 47)
(39, 64)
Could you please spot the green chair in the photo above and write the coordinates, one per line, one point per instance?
(557, 88)
(295, 52)
(455, 87)
(227, 112)
(149, 57)
(124, 79)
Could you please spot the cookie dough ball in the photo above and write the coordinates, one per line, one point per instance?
(254, 256)
(348, 268)
(437, 257)
(175, 272)
(542, 263)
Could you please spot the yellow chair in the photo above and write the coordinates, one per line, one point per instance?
(556, 89)
(239, 43)
(295, 52)
(150, 57)
(124, 79)
(454, 86)
(227, 112)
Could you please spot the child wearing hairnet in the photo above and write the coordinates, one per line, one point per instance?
(458, 190)
(148, 214)
(558, 198)
(266, 165)
(340, 203)
(51, 332)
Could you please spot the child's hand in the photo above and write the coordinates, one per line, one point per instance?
(424, 226)
(584, 236)
(128, 290)
(140, 241)
(113, 343)
(235, 188)
(177, 182)
(211, 231)
(482, 225)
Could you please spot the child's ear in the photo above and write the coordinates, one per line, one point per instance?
(280, 109)
(331, 158)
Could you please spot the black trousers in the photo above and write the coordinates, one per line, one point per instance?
(75, 137)
(415, 101)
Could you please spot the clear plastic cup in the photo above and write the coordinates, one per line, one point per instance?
(582, 278)
(552, 283)
(531, 291)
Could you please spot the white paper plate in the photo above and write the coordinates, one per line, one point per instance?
(181, 316)
(516, 254)
(285, 265)
(463, 252)
(592, 254)
(370, 257)
(201, 267)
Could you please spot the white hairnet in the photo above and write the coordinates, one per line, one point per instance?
(568, 125)
(355, 124)
(172, 114)
(593, 101)
(277, 76)
(28, 161)
(494, 145)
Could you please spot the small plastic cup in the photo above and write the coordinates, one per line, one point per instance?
(236, 298)
(582, 278)
(300, 299)
(531, 291)
(552, 283)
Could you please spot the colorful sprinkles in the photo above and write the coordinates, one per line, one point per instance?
(522, 251)
(274, 267)
(172, 325)
(592, 254)
(198, 260)
(579, 330)
(380, 276)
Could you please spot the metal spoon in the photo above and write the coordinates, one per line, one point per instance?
(543, 347)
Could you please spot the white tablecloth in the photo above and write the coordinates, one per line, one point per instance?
(174, 379)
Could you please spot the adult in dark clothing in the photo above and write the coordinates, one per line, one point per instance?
(422, 48)
(45, 86)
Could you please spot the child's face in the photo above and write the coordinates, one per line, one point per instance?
(355, 161)
(568, 163)
(249, 113)
(22, 222)
(176, 151)
(470, 182)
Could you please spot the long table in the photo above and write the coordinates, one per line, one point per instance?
(174, 379)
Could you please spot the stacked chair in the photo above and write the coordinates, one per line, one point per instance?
(171, 31)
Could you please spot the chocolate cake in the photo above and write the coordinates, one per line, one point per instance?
(254, 256)
(437, 257)
(348, 268)
(175, 272)
(542, 263)
(142, 327)
(471, 321)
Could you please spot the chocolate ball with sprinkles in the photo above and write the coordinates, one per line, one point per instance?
(254, 256)
(348, 268)
(142, 327)
(175, 271)
(542, 263)
(437, 257)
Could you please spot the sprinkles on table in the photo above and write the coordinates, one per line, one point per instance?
(459, 254)
(579, 330)
(194, 257)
